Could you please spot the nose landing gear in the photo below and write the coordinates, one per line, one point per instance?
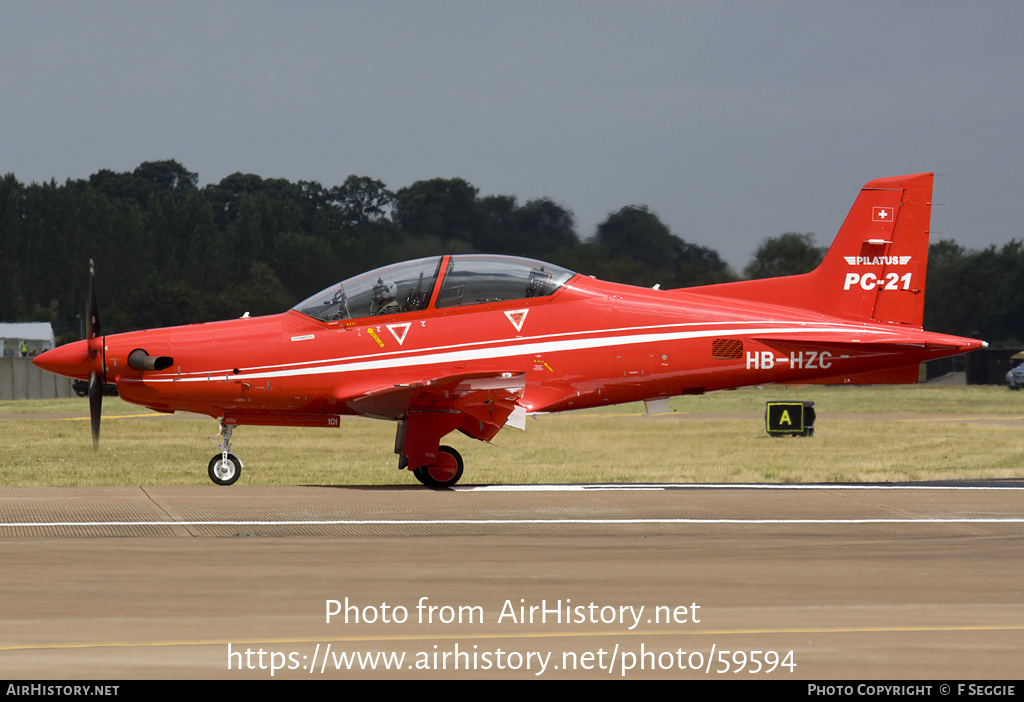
(225, 467)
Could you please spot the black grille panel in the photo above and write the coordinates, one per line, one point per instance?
(726, 349)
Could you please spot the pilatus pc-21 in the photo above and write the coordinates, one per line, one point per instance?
(474, 342)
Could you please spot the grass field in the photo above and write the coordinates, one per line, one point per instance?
(940, 433)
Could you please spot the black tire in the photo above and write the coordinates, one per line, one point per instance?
(225, 474)
(444, 475)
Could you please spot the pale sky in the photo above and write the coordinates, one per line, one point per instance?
(732, 121)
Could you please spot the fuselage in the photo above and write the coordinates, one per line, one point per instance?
(590, 343)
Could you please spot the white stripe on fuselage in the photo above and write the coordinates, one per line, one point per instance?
(506, 348)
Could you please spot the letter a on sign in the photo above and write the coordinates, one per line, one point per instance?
(790, 418)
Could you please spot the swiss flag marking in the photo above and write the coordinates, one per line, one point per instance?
(883, 214)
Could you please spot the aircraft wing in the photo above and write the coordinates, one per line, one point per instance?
(486, 400)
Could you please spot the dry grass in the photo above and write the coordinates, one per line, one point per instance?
(716, 438)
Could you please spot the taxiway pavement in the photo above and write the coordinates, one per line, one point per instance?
(628, 581)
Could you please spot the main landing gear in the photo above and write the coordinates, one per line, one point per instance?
(447, 471)
(225, 467)
(416, 443)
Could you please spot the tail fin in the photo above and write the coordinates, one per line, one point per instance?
(875, 268)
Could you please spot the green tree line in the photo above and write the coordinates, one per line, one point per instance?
(170, 252)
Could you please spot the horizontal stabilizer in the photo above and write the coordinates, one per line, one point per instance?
(894, 376)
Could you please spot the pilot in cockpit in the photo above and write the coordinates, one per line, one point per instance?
(382, 301)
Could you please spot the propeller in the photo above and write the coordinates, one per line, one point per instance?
(97, 376)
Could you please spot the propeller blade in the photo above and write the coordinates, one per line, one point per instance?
(95, 406)
(92, 329)
(97, 376)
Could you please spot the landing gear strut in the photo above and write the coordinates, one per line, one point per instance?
(225, 467)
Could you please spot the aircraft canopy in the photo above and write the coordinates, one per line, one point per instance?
(407, 287)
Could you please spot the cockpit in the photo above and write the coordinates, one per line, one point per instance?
(413, 285)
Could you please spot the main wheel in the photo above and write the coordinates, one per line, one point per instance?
(225, 473)
(447, 471)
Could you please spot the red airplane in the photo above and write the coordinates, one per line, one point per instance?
(475, 342)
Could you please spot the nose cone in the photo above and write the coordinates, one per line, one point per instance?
(72, 360)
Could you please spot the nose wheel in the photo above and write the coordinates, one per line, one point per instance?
(225, 467)
(447, 471)
(225, 471)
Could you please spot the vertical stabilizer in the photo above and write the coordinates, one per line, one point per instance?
(875, 268)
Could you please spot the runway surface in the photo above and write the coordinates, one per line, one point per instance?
(591, 582)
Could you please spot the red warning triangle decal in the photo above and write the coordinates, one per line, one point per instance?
(399, 331)
(517, 317)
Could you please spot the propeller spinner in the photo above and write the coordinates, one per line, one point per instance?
(83, 359)
(87, 359)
